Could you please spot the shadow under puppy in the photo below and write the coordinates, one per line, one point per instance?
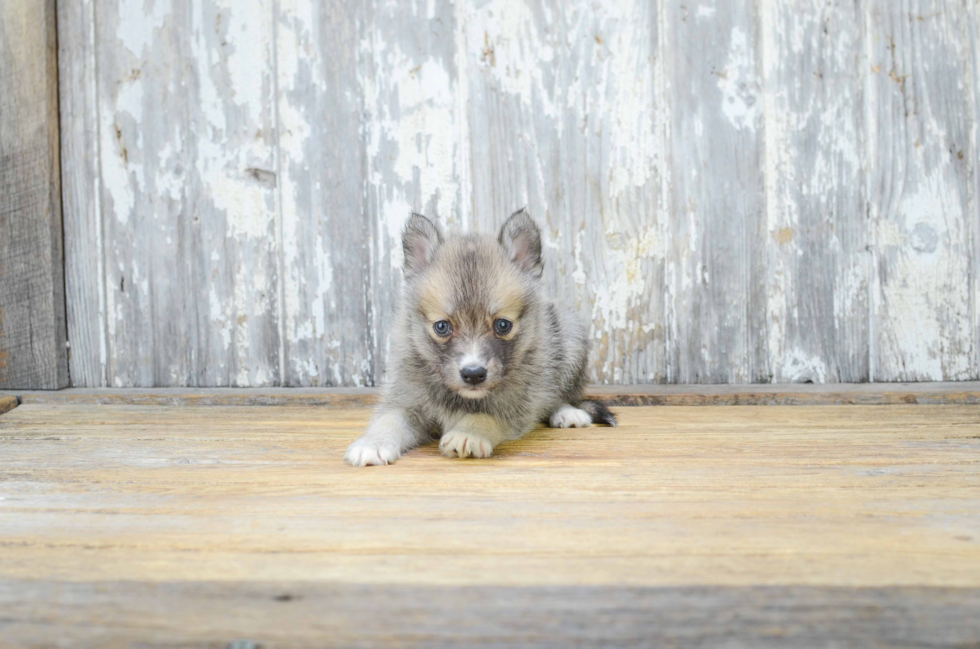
(479, 356)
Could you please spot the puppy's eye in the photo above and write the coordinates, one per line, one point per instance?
(502, 327)
(442, 328)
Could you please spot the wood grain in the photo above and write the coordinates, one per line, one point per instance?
(187, 141)
(921, 202)
(973, 12)
(869, 394)
(33, 350)
(203, 525)
(753, 192)
(817, 241)
(326, 255)
(716, 267)
(85, 288)
(680, 496)
(247, 615)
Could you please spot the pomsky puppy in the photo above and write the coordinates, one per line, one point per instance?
(478, 355)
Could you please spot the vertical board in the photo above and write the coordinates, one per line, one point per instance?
(413, 138)
(565, 118)
(325, 235)
(716, 269)
(84, 259)
(974, 25)
(33, 351)
(921, 189)
(818, 262)
(187, 152)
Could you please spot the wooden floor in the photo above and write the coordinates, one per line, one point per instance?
(802, 526)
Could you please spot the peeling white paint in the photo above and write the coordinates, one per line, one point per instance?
(613, 305)
(920, 325)
(705, 11)
(579, 274)
(629, 79)
(799, 367)
(138, 22)
(293, 47)
(219, 319)
(412, 133)
(503, 36)
(738, 83)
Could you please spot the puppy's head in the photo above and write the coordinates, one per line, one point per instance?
(472, 301)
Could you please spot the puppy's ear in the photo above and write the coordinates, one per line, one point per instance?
(521, 239)
(420, 239)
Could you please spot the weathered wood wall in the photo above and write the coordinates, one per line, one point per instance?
(760, 191)
(33, 339)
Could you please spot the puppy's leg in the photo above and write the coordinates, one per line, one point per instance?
(390, 433)
(568, 416)
(472, 436)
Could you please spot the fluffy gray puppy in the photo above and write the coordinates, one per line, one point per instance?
(478, 356)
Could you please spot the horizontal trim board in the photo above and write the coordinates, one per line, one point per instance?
(484, 616)
(965, 392)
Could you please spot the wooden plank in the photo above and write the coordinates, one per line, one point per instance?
(818, 259)
(33, 351)
(729, 496)
(282, 614)
(963, 392)
(565, 114)
(716, 267)
(920, 199)
(187, 140)
(414, 137)
(322, 397)
(877, 394)
(326, 250)
(974, 16)
(81, 200)
(7, 403)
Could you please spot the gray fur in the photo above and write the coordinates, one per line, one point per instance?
(536, 375)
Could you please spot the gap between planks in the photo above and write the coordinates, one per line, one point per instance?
(869, 394)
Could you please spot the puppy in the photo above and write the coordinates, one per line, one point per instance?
(478, 356)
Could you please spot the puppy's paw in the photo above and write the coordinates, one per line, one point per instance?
(570, 417)
(367, 451)
(459, 444)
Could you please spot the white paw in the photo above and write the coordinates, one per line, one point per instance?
(570, 417)
(458, 444)
(367, 451)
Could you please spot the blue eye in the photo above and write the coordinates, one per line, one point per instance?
(442, 328)
(502, 327)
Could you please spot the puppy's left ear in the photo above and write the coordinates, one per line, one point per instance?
(521, 239)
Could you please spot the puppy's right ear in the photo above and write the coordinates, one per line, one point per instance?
(420, 239)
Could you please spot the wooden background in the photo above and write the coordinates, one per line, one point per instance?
(33, 339)
(768, 191)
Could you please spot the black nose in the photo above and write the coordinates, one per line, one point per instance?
(473, 375)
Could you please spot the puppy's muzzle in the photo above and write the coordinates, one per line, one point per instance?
(473, 374)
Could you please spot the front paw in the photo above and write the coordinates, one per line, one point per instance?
(459, 444)
(570, 417)
(366, 451)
